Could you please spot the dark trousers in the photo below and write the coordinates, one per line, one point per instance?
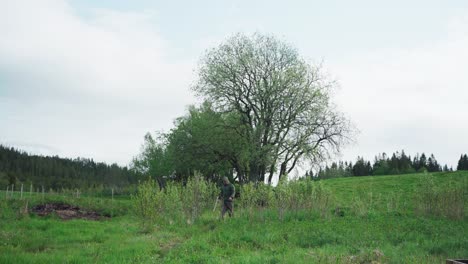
(227, 207)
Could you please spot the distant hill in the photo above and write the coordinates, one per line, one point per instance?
(17, 167)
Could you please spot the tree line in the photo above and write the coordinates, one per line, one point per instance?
(48, 172)
(17, 167)
(397, 163)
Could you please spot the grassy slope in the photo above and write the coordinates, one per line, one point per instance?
(366, 233)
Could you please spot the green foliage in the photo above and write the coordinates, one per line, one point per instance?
(197, 195)
(146, 202)
(398, 163)
(18, 167)
(154, 205)
(175, 203)
(322, 198)
(446, 200)
(205, 141)
(336, 170)
(154, 160)
(362, 203)
(283, 198)
(362, 168)
(463, 162)
(170, 203)
(306, 195)
(382, 235)
(278, 106)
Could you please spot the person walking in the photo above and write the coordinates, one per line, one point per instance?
(228, 192)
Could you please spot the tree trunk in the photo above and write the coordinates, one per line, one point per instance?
(282, 170)
(272, 169)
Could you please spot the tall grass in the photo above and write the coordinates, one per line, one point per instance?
(185, 203)
(296, 196)
(440, 200)
(175, 203)
(385, 219)
(179, 203)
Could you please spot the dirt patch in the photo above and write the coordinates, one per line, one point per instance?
(66, 211)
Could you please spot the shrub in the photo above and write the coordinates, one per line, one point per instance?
(249, 199)
(178, 203)
(170, 203)
(196, 197)
(282, 198)
(322, 198)
(146, 202)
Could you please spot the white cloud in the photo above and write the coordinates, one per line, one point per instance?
(86, 86)
(92, 84)
(414, 99)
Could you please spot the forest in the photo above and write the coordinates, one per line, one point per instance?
(398, 163)
(19, 167)
(56, 173)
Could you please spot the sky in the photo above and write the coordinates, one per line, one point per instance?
(83, 78)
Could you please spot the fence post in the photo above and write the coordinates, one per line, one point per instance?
(12, 191)
(7, 188)
(30, 190)
(21, 195)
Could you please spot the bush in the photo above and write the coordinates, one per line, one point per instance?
(177, 203)
(170, 203)
(196, 197)
(146, 202)
(248, 199)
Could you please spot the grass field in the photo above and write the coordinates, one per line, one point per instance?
(372, 219)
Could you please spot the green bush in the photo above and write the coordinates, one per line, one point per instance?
(146, 203)
(170, 204)
(196, 197)
(175, 203)
(178, 203)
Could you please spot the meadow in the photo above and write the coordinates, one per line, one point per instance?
(416, 218)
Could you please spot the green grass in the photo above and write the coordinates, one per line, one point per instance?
(378, 224)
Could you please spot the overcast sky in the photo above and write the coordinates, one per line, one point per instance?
(90, 78)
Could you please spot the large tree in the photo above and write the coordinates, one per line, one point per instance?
(282, 102)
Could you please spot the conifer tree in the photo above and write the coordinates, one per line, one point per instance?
(463, 162)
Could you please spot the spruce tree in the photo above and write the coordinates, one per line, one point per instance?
(416, 162)
(445, 168)
(460, 163)
(465, 162)
(422, 162)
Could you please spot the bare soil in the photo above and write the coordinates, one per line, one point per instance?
(66, 211)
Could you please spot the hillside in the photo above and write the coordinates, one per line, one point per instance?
(370, 219)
